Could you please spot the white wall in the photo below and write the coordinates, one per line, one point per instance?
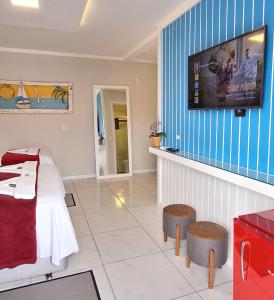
(73, 149)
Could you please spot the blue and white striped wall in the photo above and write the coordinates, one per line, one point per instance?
(217, 137)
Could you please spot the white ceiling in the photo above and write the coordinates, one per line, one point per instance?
(122, 29)
(53, 14)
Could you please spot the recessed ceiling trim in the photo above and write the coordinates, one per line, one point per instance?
(69, 54)
(55, 53)
(141, 46)
(145, 61)
(165, 22)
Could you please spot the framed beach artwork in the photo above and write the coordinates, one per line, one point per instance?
(35, 97)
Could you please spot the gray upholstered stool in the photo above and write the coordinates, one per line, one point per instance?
(176, 218)
(206, 246)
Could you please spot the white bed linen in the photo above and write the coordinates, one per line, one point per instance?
(29, 151)
(22, 187)
(7, 187)
(45, 158)
(54, 230)
(16, 169)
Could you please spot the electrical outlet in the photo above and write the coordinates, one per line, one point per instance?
(64, 127)
(178, 137)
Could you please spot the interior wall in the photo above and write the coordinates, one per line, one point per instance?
(242, 145)
(70, 137)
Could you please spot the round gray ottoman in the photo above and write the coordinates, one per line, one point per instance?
(206, 246)
(176, 218)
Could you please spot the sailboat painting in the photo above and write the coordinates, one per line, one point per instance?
(35, 97)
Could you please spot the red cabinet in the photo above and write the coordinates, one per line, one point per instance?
(253, 270)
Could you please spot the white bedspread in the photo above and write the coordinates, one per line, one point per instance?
(54, 230)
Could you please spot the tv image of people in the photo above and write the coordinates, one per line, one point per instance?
(229, 75)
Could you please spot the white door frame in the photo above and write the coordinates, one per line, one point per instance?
(96, 89)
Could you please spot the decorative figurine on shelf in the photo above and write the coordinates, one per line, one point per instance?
(156, 135)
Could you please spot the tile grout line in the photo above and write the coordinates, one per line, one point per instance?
(143, 255)
(197, 291)
(112, 290)
(140, 225)
(113, 230)
(180, 297)
(134, 257)
(125, 206)
(164, 253)
(160, 251)
(180, 272)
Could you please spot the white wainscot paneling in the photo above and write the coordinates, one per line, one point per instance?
(214, 199)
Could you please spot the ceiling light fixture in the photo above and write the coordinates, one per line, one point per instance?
(86, 13)
(27, 3)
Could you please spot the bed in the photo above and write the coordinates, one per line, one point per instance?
(55, 241)
(44, 155)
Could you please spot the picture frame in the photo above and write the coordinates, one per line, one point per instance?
(18, 96)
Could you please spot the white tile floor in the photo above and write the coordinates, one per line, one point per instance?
(119, 230)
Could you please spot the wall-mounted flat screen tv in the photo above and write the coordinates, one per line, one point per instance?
(229, 75)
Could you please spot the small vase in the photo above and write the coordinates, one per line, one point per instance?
(156, 141)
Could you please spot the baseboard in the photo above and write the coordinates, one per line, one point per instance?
(79, 177)
(144, 171)
(230, 262)
(74, 177)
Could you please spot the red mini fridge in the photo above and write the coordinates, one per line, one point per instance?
(253, 272)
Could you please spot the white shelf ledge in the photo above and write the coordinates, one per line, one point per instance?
(242, 181)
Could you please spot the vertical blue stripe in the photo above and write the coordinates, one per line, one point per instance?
(178, 100)
(257, 22)
(164, 76)
(265, 111)
(203, 40)
(215, 113)
(168, 88)
(191, 115)
(235, 121)
(228, 119)
(186, 78)
(197, 49)
(222, 113)
(208, 44)
(244, 122)
(230, 18)
(183, 68)
(258, 13)
(172, 75)
(185, 83)
(271, 154)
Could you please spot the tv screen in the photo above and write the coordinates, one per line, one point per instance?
(229, 75)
